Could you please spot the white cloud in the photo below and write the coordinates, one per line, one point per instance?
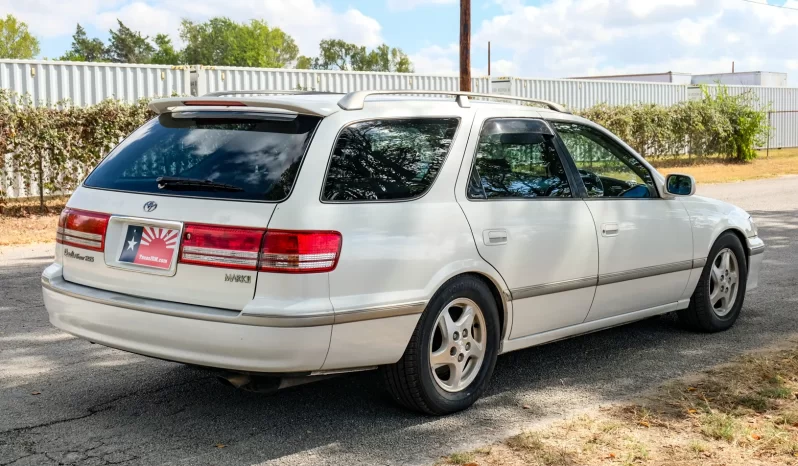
(308, 21)
(141, 17)
(412, 4)
(561, 38)
(503, 68)
(52, 18)
(437, 60)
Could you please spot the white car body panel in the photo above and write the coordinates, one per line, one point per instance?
(651, 234)
(710, 218)
(395, 256)
(192, 284)
(547, 243)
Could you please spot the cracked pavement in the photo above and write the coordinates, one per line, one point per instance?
(66, 401)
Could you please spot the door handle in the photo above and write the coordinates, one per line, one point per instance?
(609, 229)
(494, 237)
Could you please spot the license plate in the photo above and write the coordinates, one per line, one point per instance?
(150, 246)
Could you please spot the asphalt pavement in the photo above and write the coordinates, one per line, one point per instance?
(66, 401)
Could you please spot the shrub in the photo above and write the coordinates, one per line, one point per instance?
(720, 124)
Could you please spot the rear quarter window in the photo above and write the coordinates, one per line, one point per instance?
(246, 159)
(388, 159)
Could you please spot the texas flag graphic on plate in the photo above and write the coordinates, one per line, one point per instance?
(150, 246)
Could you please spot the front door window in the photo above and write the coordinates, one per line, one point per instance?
(606, 168)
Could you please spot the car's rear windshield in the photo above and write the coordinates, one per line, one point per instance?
(242, 159)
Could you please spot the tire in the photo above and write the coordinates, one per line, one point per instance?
(414, 384)
(705, 316)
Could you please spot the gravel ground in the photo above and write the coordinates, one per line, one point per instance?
(65, 401)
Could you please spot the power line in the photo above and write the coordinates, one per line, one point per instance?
(770, 4)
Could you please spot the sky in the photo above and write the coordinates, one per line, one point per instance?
(530, 38)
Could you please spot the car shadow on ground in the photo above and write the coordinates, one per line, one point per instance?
(98, 403)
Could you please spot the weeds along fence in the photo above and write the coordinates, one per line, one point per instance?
(57, 119)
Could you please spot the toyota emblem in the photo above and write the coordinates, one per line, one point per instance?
(150, 206)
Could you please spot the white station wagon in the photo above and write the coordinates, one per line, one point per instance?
(279, 238)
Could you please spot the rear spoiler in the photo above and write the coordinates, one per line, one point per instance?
(261, 104)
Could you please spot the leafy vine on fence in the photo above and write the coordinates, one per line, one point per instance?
(55, 146)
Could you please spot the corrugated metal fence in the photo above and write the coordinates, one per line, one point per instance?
(581, 94)
(49, 82)
(782, 106)
(213, 79)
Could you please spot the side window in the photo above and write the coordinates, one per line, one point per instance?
(517, 159)
(606, 168)
(388, 159)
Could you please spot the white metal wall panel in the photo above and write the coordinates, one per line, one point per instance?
(48, 82)
(216, 79)
(579, 94)
(782, 101)
(785, 129)
(777, 98)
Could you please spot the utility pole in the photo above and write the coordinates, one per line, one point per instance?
(465, 45)
(488, 58)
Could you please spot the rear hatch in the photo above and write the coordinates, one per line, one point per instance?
(179, 210)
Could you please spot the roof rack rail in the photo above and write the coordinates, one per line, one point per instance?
(356, 100)
(267, 92)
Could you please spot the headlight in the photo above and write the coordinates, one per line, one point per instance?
(754, 229)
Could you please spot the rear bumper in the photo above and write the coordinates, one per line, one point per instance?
(205, 342)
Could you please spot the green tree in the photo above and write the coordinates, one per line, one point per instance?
(336, 54)
(128, 46)
(85, 49)
(222, 41)
(304, 63)
(15, 40)
(166, 53)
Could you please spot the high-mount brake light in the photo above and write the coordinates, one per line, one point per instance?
(82, 229)
(213, 103)
(218, 246)
(300, 251)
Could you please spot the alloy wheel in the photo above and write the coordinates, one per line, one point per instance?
(724, 282)
(457, 346)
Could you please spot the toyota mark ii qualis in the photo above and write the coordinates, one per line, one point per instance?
(277, 237)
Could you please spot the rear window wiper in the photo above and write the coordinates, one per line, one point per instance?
(174, 183)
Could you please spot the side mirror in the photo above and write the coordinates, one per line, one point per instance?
(680, 185)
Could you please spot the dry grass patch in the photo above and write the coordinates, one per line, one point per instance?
(27, 230)
(714, 170)
(743, 414)
(23, 221)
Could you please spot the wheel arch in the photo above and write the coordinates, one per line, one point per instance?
(502, 301)
(740, 236)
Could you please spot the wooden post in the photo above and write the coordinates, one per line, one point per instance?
(465, 45)
(489, 58)
(770, 131)
(41, 184)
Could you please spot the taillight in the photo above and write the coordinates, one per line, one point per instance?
(280, 251)
(82, 229)
(215, 246)
(300, 251)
